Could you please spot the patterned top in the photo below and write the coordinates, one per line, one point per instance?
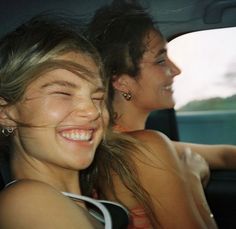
(139, 219)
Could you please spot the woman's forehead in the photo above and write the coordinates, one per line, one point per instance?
(63, 78)
(154, 43)
(82, 59)
(71, 66)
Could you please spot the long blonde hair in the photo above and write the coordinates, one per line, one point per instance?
(31, 50)
(115, 156)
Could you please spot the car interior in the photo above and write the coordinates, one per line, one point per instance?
(174, 18)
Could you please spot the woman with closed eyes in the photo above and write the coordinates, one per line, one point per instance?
(52, 118)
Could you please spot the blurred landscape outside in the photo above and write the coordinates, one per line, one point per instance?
(207, 60)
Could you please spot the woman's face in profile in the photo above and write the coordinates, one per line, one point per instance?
(156, 76)
(67, 115)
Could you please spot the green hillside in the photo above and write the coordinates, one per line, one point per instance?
(228, 103)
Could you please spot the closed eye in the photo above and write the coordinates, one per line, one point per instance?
(101, 98)
(61, 93)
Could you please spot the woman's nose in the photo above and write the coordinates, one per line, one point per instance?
(174, 69)
(87, 109)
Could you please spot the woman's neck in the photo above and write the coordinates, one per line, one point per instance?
(129, 116)
(61, 179)
(125, 124)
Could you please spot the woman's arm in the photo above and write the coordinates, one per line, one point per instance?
(32, 204)
(217, 156)
(163, 176)
(198, 172)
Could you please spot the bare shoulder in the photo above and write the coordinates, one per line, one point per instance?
(148, 135)
(27, 183)
(153, 138)
(39, 203)
(24, 190)
(158, 145)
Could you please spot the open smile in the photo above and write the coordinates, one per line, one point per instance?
(78, 134)
(169, 88)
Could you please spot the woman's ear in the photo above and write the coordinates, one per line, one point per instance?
(121, 83)
(4, 114)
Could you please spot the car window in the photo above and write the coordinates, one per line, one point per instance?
(205, 91)
(208, 63)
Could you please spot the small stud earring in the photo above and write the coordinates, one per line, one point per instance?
(127, 95)
(7, 131)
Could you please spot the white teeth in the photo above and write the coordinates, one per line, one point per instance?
(168, 88)
(78, 136)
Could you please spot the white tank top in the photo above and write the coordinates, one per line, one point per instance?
(105, 218)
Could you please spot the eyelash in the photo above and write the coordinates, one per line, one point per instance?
(98, 98)
(61, 93)
(162, 59)
(160, 62)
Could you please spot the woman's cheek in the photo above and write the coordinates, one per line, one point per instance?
(55, 111)
(105, 117)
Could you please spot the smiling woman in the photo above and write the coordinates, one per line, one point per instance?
(52, 119)
(140, 76)
(54, 98)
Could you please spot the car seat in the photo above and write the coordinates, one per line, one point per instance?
(165, 122)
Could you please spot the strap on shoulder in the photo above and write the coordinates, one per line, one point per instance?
(106, 214)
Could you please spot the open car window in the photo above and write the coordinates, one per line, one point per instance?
(205, 91)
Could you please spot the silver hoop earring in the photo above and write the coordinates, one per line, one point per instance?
(7, 131)
(127, 95)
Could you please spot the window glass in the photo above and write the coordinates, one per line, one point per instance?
(207, 60)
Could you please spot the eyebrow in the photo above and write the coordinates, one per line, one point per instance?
(59, 83)
(161, 51)
(69, 84)
(99, 89)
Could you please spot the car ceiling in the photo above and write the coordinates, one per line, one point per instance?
(174, 17)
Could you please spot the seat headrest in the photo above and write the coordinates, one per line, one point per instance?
(2, 183)
(5, 176)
